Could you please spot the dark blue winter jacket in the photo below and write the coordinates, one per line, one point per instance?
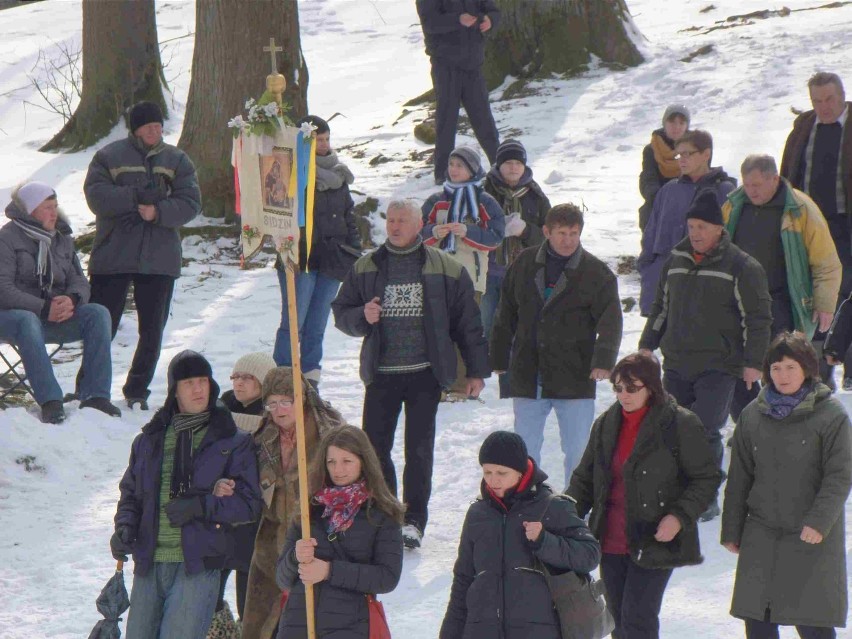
(447, 39)
(225, 452)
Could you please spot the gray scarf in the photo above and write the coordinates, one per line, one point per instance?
(44, 263)
(331, 174)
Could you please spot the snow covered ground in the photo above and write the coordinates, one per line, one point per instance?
(584, 137)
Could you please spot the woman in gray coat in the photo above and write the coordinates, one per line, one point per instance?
(790, 475)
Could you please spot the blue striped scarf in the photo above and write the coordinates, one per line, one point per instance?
(464, 198)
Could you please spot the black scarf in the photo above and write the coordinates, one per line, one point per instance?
(185, 425)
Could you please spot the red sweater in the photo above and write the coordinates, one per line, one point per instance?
(614, 540)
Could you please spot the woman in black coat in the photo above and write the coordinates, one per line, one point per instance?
(499, 590)
(335, 246)
(646, 476)
(356, 541)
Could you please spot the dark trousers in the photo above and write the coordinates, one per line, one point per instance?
(767, 630)
(456, 87)
(242, 582)
(634, 596)
(153, 297)
(708, 395)
(782, 320)
(419, 393)
(839, 226)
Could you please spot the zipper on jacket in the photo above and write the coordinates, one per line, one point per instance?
(503, 576)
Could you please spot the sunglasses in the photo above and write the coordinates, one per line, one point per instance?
(628, 387)
(241, 377)
(281, 403)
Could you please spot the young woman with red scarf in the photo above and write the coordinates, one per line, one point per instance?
(356, 541)
(646, 476)
(499, 590)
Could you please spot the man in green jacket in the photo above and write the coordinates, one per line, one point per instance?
(784, 230)
(557, 331)
(711, 319)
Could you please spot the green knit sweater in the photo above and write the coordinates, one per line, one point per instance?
(168, 538)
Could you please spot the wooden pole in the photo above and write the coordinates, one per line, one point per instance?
(301, 448)
(275, 84)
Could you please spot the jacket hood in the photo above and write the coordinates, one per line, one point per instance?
(495, 178)
(15, 211)
(714, 176)
(818, 394)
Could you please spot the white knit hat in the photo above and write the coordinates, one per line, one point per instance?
(32, 194)
(257, 364)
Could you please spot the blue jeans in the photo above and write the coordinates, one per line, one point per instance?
(29, 334)
(575, 417)
(169, 603)
(314, 294)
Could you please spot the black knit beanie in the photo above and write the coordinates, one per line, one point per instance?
(706, 207)
(511, 150)
(318, 122)
(186, 365)
(143, 113)
(504, 449)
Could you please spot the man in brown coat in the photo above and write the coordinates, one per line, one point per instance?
(818, 160)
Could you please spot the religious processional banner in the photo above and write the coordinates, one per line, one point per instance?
(274, 177)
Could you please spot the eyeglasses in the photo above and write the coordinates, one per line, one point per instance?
(241, 377)
(629, 388)
(685, 154)
(281, 403)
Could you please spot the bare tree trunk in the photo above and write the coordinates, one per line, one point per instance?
(228, 67)
(121, 66)
(539, 37)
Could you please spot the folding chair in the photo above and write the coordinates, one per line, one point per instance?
(12, 370)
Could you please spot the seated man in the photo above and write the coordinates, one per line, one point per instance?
(44, 300)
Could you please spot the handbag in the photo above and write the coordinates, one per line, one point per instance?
(378, 623)
(580, 602)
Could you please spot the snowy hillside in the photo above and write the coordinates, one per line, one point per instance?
(584, 137)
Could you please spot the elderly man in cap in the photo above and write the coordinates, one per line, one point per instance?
(141, 191)
(711, 319)
(44, 299)
(179, 533)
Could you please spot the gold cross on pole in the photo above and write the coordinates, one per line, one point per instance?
(272, 50)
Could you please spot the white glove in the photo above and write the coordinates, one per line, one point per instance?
(515, 225)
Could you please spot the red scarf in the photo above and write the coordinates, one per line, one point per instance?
(342, 503)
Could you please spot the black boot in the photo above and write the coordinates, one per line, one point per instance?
(102, 404)
(52, 412)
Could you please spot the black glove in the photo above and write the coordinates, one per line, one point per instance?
(150, 196)
(183, 510)
(121, 542)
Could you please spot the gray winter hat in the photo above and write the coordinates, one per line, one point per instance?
(471, 159)
(676, 109)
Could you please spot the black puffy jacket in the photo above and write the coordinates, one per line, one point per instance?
(373, 549)
(499, 591)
